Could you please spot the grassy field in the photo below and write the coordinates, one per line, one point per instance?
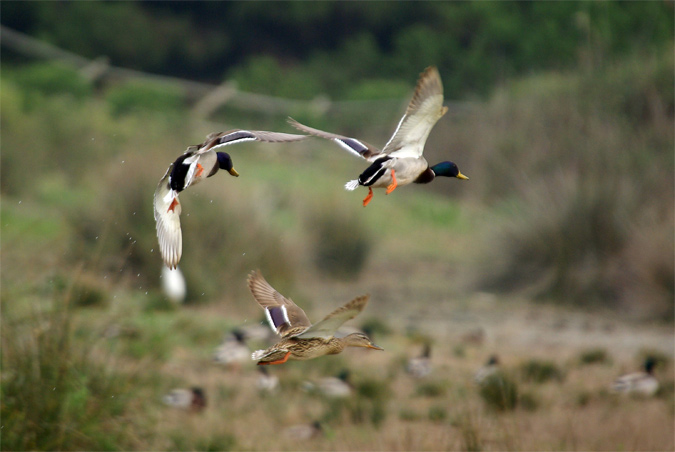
(90, 344)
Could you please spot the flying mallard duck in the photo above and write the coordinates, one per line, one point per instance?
(401, 161)
(300, 339)
(196, 164)
(638, 383)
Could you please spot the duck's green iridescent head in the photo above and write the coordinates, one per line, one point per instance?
(448, 169)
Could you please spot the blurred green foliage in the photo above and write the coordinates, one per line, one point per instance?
(309, 48)
(136, 96)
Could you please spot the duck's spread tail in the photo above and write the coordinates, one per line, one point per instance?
(257, 355)
(352, 185)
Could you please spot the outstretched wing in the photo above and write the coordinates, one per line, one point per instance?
(220, 139)
(327, 327)
(168, 221)
(285, 317)
(352, 145)
(424, 110)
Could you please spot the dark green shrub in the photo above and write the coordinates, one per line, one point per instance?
(499, 392)
(437, 413)
(54, 395)
(143, 97)
(593, 356)
(50, 79)
(541, 371)
(341, 243)
(431, 389)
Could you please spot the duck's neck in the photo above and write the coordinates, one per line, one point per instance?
(427, 176)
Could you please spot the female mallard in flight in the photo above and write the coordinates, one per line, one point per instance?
(300, 339)
(401, 161)
(196, 164)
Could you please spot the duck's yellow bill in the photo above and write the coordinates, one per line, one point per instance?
(374, 347)
(234, 172)
(462, 176)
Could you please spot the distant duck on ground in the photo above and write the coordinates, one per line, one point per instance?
(233, 351)
(400, 162)
(193, 399)
(420, 366)
(173, 284)
(304, 432)
(638, 383)
(266, 382)
(300, 340)
(490, 368)
(332, 387)
(196, 164)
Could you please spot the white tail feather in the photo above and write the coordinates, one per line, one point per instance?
(352, 185)
(257, 355)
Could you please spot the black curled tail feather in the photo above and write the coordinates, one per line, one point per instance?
(374, 172)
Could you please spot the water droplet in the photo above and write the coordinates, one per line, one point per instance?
(202, 294)
(243, 254)
(19, 202)
(122, 161)
(96, 238)
(138, 274)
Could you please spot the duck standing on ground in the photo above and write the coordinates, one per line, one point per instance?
(400, 162)
(193, 399)
(638, 383)
(420, 366)
(196, 164)
(300, 340)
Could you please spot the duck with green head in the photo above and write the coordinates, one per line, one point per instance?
(400, 162)
(197, 163)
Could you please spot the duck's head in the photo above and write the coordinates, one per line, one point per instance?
(225, 163)
(360, 340)
(448, 169)
(649, 365)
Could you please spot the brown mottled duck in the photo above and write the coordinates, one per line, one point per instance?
(300, 340)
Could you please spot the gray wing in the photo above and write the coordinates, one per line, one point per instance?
(424, 110)
(284, 316)
(352, 145)
(327, 327)
(168, 222)
(219, 139)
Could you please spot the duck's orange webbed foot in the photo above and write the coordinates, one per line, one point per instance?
(173, 205)
(279, 361)
(393, 184)
(367, 199)
(200, 170)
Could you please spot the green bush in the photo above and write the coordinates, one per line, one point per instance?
(499, 392)
(538, 371)
(52, 388)
(48, 79)
(593, 356)
(138, 96)
(341, 243)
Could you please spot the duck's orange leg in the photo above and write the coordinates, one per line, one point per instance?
(367, 199)
(200, 170)
(279, 361)
(393, 184)
(173, 205)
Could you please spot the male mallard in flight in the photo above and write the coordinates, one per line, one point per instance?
(401, 161)
(300, 339)
(196, 164)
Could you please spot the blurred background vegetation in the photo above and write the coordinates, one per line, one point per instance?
(560, 112)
